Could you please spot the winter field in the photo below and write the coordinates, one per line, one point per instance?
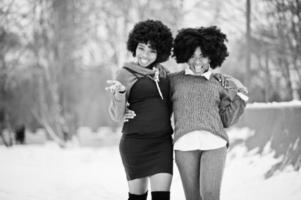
(84, 171)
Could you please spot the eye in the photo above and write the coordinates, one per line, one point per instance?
(195, 57)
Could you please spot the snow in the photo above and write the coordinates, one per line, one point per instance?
(294, 103)
(47, 172)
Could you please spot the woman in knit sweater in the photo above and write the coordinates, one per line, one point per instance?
(202, 108)
(146, 144)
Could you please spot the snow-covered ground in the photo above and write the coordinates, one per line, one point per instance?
(294, 103)
(47, 172)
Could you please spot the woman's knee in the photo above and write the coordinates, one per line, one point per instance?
(138, 186)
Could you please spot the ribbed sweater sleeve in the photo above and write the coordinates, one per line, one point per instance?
(117, 107)
(118, 102)
(231, 105)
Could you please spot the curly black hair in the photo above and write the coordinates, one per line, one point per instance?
(210, 39)
(156, 34)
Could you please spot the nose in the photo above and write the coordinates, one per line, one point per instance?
(198, 60)
(144, 54)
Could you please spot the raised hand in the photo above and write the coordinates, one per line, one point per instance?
(115, 86)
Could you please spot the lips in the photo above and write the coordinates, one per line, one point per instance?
(199, 68)
(143, 61)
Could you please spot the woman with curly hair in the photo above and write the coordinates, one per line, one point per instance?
(202, 109)
(146, 145)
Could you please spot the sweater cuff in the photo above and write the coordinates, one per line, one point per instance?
(243, 96)
(119, 96)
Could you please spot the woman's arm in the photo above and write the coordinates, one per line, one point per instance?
(233, 102)
(231, 110)
(117, 106)
(117, 88)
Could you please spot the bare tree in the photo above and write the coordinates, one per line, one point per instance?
(285, 17)
(65, 52)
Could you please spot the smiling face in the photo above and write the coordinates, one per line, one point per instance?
(198, 63)
(145, 55)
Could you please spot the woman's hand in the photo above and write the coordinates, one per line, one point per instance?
(129, 114)
(221, 78)
(229, 82)
(233, 82)
(115, 86)
(240, 87)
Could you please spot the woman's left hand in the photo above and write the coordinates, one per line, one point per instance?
(221, 78)
(234, 83)
(229, 82)
(129, 114)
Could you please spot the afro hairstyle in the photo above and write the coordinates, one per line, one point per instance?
(156, 34)
(210, 39)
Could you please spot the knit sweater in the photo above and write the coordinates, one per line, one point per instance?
(201, 104)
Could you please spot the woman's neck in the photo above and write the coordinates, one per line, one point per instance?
(147, 67)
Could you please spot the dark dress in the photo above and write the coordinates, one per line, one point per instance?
(146, 145)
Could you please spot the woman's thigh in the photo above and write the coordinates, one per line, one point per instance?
(138, 186)
(161, 182)
(188, 163)
(212, 166)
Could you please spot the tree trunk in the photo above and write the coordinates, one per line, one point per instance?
(268, 77)
(248, 42)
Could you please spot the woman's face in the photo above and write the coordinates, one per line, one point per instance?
(145, 55)
(198, 63)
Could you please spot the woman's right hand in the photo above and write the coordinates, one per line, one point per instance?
(115, 87)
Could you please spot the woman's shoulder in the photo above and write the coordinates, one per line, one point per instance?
(178, 73)
(122, 73)
(125, 77)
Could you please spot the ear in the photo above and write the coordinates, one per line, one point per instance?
(208, 66)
